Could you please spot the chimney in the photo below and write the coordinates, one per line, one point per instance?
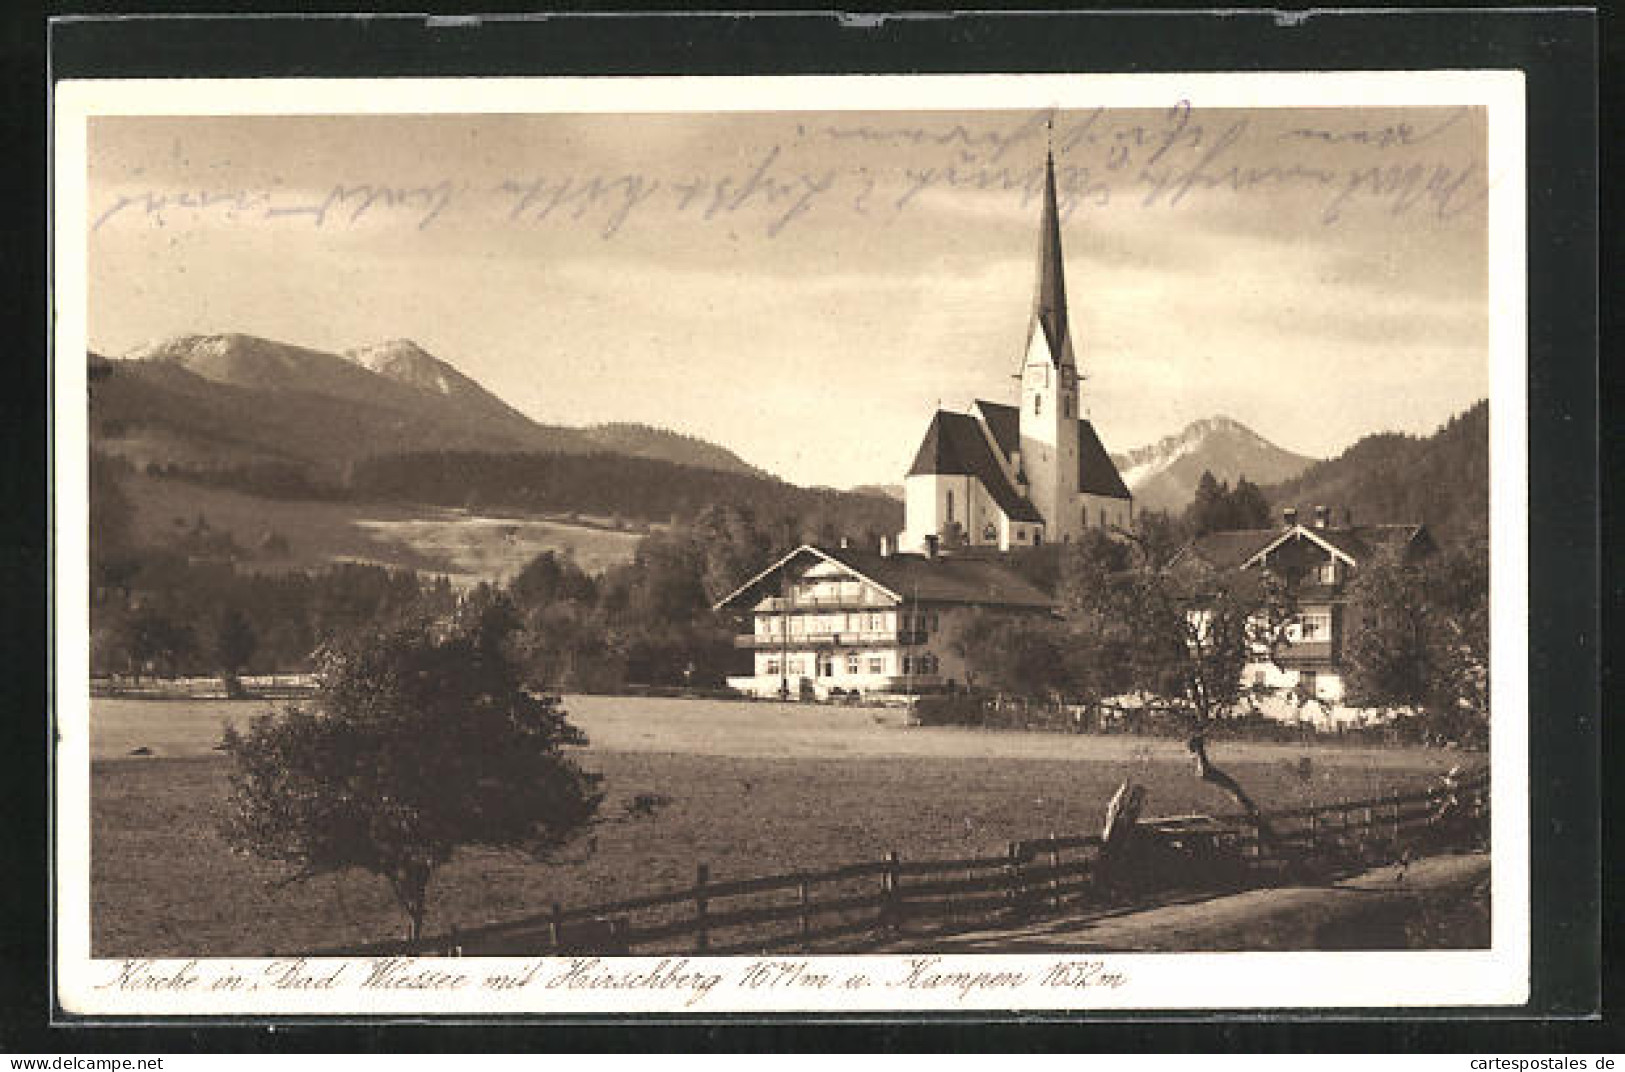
(932, 540)
(1323, 515)
(1289, 516)
(885, 547)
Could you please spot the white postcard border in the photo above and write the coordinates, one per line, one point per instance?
(1498, 976)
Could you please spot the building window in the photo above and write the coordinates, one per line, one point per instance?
(772, 666)
(877, 664)
(908, 664)
(950, 512)
(1315, 626)
(1038, 405)
(990, 533)
(931, 621)
(1066, 405)
(1328, 571)
(826, 666)
(852, 662)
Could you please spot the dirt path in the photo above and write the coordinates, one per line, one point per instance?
(1439, 902)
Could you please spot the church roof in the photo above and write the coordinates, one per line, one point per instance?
(1049, 302)
(955, 446)
(1005, 424)
(1097, 474)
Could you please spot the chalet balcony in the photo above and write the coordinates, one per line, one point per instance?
(780, 603)
(1307, 653)
(819, 641)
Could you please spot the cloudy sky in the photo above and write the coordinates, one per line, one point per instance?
(805, 288)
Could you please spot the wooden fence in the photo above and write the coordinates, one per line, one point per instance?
(868, 904)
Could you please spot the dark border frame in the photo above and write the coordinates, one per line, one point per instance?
(1557, 50)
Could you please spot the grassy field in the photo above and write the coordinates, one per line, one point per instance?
(841, 786)
(465, 547)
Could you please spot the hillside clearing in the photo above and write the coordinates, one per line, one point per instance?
(466, 547)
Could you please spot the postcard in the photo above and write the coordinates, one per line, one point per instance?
(882, 544)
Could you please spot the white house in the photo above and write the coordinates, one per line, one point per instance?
(870, 622)
(1007, 476)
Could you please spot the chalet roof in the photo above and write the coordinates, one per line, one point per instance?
(1237, 547)
(906, 577)
(946, 579)
(1227, 550)
(1049, 300)
(1097, 473)
(954, 445)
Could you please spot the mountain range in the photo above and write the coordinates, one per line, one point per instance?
(203, 401)
(1163, 475)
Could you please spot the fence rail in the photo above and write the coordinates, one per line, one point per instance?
(879, 900)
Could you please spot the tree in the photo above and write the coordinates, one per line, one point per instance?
(421, 740)
(1207, 509)
(232, 646)
(1388, 659)
(1185, 641)
(1419, 639)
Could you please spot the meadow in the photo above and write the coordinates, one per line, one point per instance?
(753, 789)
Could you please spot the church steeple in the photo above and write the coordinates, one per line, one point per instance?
(1049, 303)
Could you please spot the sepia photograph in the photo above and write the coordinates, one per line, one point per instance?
(885, 543)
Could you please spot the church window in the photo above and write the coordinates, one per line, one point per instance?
(1066, 405)
(950, 514)
(1038, 405)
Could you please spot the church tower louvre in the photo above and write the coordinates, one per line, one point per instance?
(1049, 382)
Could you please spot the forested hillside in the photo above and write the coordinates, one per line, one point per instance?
(615, 485)
(1442, 480)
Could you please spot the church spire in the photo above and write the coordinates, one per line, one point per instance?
(1049, 305)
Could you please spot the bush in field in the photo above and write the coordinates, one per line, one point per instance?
(950, 709)
(421, 740)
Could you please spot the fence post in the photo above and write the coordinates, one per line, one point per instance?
(804, 897)
(555, 927)
(891, 911)
(1055, 870)
(702, 939)
(1013, 869)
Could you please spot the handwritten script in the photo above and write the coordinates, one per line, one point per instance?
(1102, 160)
(679, 982)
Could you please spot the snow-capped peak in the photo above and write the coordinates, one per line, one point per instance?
(406, 362)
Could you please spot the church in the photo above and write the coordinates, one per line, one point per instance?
(1005, 476)
(828, 621)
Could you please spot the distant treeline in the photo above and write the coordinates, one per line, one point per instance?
(613, 484)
